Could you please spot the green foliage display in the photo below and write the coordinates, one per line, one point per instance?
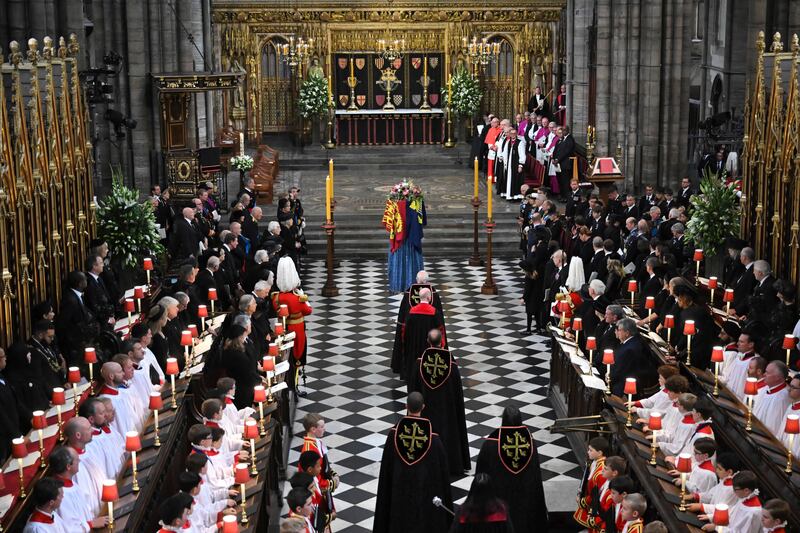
(127, 225)
(313, 100)
(466, 94)
(242, 162)
(715, 214)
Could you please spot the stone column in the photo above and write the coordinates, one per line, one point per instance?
(603, 68)
(138, 63)
(580, 14)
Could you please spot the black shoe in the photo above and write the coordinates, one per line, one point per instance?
(526, 332)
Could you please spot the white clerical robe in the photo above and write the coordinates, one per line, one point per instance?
(672, 443)
(41, 522)
(90, 479)
(702, 477)
(207, 507)
(671, 419)
(729, 354)
(236, 416)
(745, 516)
(542, 142)
(770, 406)
(74, 509)
(108, 449)
(220, 467)
(138, 404)
(149, 362)
(656, 402)
(142, 387)
(125, 417)
(736, 374)
(722, 492)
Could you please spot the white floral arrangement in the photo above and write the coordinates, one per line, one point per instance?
(313, 100)
(242, 162)
(466, 98)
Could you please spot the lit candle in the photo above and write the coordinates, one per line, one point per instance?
(489, 196)
(425, 67)
(241, 142)
(449, 90)
(330, 173)
(351, 67)
(330, 89)
(327, 198)
(475, 191)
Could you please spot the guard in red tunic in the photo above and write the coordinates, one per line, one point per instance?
(292, 296)
(592, 480)
(327, 479)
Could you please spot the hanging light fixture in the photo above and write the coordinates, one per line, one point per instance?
(388, 48)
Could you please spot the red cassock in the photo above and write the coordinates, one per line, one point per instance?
(298, 309)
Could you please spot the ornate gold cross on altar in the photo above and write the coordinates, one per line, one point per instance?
(516, 447)
(388, 82)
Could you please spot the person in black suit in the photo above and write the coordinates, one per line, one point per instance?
(652, 286)
(96, 297)
(239, 366)
(716, 166)
(592, 309)
(706, 329)
(575, 203)
(230, 267)
(555, 277)
(744, 285)
(562, 155)
(76, 326)
(648, 200)
(259, 270)
(534, 265)
(733, 267)
(185, 239)
(250, 227)
(629, 358)
(248, 188)
(606, 335)
(630, 209)
(597, 265)
(13, 418)
(205, 280)
(614, 202)
(682, 250)
(764, 299)
(42, 346)
(685, 194)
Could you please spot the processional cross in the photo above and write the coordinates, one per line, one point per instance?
(388, 82)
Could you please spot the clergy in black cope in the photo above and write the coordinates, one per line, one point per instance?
(421, 319)
(413, 472)
(410, 299)
(509, 456)
(437, 377)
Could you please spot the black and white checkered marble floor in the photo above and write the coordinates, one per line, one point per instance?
(351, 385)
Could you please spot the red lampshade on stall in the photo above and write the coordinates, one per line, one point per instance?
(689, 328)
(89, 356)
(129, 306)
(654, 422)
(698, 255)
(230, 524)
(684, 463)
(650, 302)
(669, 321)
(193, 330)
(591, 343)
(110, 492)
(283, 310)
(259, 394)
(18, 448)
(186, 338)
(58, 397)
(751, 387)
(202, 311)
(138, 292)
(268, 363)
(577, 324)
(147, 263)
(713, 282)
(73, 374)
(789, 342)
(250, 429)
(608, 357)
(630, 386)
(720, 517)
(563, 306)
(241, 473)
(279, 329)
(728, 296)
(156, 402)
(717, 354)
(133, 443)
(632, 285)
(792, 426)
(172, 366)
(273, 349)
(38, 420)
(212, 294)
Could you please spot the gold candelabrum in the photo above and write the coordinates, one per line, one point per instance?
(425, 81)
(352, 82)
(480, 53)
(590, 144)
(296, 52)
(391, 49)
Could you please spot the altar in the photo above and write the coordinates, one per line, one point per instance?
(398, 126)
